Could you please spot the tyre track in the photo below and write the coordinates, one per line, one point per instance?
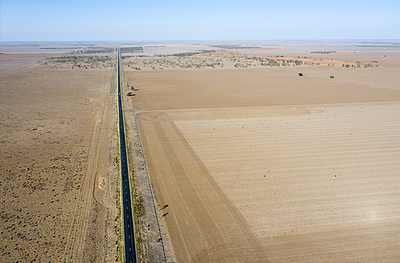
(79, 226)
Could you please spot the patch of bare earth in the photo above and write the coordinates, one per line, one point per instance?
(262, 165)
(57, 177)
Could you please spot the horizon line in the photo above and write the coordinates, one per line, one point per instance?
(210, 40)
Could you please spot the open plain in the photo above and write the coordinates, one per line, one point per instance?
(57, 172)
(249, 161)
(254, 163)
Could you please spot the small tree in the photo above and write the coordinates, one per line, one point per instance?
(300, 74)
(332, 77)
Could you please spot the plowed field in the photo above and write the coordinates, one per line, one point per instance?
(261, 165)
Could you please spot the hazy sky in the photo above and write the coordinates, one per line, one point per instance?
(153, 20)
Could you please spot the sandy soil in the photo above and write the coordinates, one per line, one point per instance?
(261, 165)
(57, 170)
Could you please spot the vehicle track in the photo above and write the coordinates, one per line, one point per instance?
(79, 226)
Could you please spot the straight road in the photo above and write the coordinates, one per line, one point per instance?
(127, 215)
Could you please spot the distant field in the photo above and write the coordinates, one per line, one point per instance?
(259, 164)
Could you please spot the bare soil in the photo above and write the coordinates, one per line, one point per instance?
(57, 170)
(259, 164)
(249, 162)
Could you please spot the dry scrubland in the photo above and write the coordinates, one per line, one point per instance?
(229, 59)
(58, 176)
(258, 164)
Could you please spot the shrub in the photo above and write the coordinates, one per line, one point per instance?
(332, 77)
(130, 94)
(300, 74)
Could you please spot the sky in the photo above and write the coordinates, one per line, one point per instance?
(169, 20)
